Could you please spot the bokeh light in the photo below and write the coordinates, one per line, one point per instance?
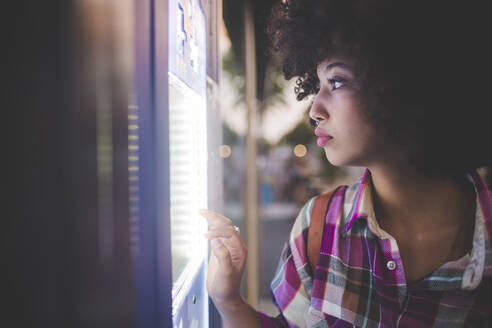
(300, 150)
(225, 151)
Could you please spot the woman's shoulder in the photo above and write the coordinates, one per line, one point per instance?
(318, 204)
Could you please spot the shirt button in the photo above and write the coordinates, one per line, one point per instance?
(391, 265)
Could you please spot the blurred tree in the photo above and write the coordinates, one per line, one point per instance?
(229, 137)
(233, 13)
(274, 82)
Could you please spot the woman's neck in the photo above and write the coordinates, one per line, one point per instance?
(409, 199)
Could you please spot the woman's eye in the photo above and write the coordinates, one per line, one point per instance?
(335, 83)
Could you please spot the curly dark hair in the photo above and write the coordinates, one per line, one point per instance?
(423, 68)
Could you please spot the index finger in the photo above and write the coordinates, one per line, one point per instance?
(215, 219)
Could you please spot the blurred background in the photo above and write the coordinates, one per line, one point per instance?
(123, 118)
(290, 167)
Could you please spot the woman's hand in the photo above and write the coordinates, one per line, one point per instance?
(226, 265)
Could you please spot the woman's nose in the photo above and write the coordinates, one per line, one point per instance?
(317, 111)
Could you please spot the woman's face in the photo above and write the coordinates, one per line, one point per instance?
(354, 141)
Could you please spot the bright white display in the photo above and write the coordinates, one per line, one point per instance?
(188, 142)
(188, 165)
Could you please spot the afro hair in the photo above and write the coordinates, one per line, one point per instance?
(423, 67)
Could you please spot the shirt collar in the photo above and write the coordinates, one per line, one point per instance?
(359, 201)
(358, 205)
(481, 255)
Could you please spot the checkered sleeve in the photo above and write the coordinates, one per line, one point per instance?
(291, 286)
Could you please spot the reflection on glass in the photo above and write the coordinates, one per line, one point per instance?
(133, 174)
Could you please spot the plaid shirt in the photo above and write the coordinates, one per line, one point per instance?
(359, 279)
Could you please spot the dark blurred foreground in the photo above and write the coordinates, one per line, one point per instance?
(52, 275)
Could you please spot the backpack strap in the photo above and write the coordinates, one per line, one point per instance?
(316, 227)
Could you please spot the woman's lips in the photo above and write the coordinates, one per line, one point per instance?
(323, 138)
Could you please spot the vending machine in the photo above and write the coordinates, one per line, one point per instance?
(179, 141)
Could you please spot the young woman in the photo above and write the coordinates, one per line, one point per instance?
(401, 89)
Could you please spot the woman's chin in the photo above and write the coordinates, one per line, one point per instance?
(338, 160)
(333, 160)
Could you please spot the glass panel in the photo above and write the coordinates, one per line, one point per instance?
(188, 142)
(188, 154)
(134, 172)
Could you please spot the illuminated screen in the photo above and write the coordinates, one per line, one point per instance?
(187, 142)
(188, 155)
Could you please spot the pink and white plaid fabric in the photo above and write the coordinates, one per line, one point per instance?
(359, 279)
